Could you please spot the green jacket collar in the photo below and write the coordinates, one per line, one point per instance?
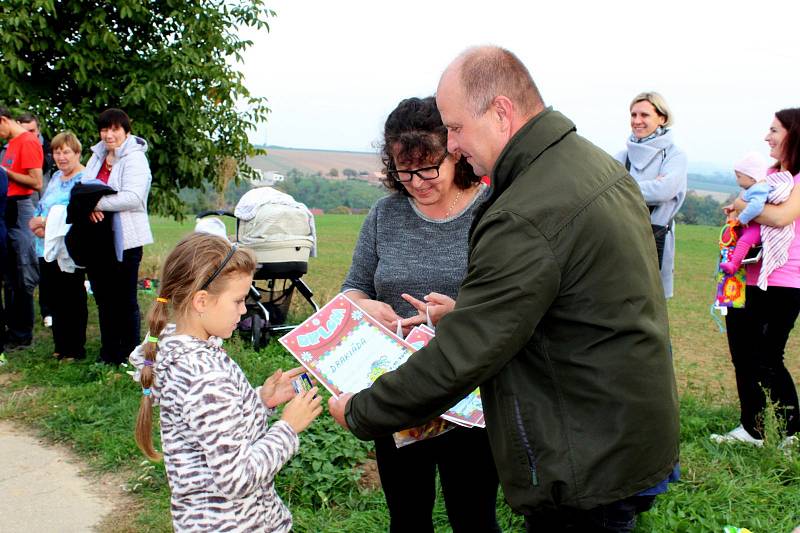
(534, 138)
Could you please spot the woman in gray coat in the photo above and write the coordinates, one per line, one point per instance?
(660, 168)
(119, 161)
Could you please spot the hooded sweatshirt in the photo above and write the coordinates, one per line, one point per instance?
(220, 454)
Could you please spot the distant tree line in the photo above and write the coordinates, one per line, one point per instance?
(315, 192)
(701, 210)
(354, 196)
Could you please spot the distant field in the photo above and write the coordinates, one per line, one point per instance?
(718, 191)
(283, 160)
(702, 361)
(716, 195)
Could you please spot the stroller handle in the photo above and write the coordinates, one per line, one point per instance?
(217, 212)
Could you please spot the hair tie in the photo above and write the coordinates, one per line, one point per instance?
(148, 362)
(162, 300)
(146, 392)
(150, 338)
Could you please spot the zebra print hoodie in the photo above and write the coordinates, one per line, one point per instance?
(219, 453)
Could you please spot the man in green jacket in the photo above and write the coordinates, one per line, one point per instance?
(561, 319)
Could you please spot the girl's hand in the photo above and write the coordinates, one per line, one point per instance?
(277, 389)
(437, 306)
(96, 216)
(302, 410)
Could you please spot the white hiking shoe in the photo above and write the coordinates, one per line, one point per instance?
(48, 321)
(789, 442)
(739, 434)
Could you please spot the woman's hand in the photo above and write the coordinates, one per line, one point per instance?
(36, 225)
(96, 216)
(435, 306)
(732, 210)
(277, 389)
(739, 205)
(728, 209)
(302, 410)
(380, 311)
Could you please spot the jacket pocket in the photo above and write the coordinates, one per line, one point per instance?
(519, 426)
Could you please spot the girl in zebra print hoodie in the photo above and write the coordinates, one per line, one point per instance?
(220, 455)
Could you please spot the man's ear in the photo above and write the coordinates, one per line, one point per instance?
(503, 111)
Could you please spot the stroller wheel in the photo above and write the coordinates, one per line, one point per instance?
(258, 333)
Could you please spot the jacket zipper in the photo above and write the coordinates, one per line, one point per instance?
(525, 443)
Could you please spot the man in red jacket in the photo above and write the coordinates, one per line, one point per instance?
(22, 161)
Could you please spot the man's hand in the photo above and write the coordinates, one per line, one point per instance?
(337, 406)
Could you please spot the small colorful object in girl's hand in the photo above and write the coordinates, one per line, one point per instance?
(302, 383)
(734, 529)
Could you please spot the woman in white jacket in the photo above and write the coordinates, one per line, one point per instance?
(119, 161)
(660, 169)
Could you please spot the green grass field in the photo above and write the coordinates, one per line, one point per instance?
(91, 408)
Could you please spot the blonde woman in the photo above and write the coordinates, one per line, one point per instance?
(659, 167)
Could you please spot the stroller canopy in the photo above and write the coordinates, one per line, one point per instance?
(275, 226)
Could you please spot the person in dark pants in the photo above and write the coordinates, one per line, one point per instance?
(119, 160)
(466, 472)
(3, 237)
(757, 333)
(30, 122)
(60, 279)
(22, 161)
(572, 359)
(412, 243)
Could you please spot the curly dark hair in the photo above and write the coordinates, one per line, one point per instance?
(415, 126)
(790, 158)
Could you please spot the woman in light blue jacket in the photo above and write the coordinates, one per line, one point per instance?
(660, 169)
(119, 161)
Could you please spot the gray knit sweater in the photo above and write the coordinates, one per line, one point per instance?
(401, 250)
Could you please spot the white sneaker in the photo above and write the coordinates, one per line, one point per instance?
(739, 434)
(48, 321)
(788, 442)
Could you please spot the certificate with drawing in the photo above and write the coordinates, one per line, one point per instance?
(346, 350)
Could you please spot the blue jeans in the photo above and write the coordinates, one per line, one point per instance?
(615, 517)
(20, 272)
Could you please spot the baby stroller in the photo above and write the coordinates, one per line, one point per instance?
(281, 233)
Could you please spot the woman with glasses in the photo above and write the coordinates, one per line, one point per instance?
(414, 242)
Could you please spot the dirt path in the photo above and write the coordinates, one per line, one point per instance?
(42, 487)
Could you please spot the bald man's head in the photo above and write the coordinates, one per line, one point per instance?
(488, 71)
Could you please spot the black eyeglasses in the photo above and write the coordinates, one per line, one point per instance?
(217, 272)
(425, 173)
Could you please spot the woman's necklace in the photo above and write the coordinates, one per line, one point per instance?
(453, 203)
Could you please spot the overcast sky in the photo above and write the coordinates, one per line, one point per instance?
(332, 71)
